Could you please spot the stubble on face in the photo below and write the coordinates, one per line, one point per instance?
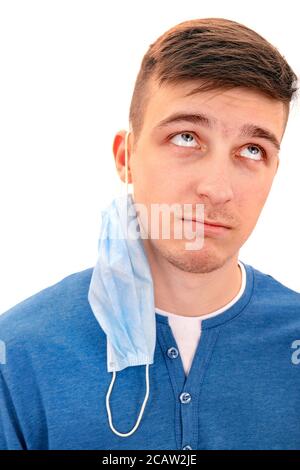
(215, 252)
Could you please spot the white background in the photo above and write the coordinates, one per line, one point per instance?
(67, 75)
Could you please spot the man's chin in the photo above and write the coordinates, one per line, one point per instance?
(203, 260)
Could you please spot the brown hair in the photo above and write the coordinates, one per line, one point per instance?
(217, 52)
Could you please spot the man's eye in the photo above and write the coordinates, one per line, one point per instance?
(253, 152)
(185, 139)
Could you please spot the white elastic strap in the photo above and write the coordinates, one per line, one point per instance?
(126, 178)
(126, 161)
(142, 409)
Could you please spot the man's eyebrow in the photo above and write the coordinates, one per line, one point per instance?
(247, 130)
(251, 130)
(193, 118)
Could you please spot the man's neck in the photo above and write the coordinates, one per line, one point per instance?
(193, 294)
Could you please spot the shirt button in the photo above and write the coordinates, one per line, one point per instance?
(185, 397)
(187, 448)
(172, 353)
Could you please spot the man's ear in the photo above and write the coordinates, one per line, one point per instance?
(119, 155)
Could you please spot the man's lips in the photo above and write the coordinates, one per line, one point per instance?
(208, 222)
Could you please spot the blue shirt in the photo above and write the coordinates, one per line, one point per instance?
(242, 392)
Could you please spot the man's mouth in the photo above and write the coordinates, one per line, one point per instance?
(207, 222)
(209, 229)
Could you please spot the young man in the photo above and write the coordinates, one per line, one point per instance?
(216, 340)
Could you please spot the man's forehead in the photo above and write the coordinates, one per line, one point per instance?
(189, 92)
(168, 100)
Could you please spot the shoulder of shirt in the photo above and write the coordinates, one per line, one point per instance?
(266, 287)
(50, 310)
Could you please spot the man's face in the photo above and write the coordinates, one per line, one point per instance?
(211, 163)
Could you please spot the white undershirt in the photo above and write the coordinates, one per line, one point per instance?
(187, 330)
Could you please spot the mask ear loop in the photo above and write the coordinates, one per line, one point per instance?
(126, 160)
(142, 409)
(126, 179)
(147, 365)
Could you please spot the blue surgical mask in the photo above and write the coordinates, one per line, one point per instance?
(121, 293)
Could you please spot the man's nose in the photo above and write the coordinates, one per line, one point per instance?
(215, 179)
